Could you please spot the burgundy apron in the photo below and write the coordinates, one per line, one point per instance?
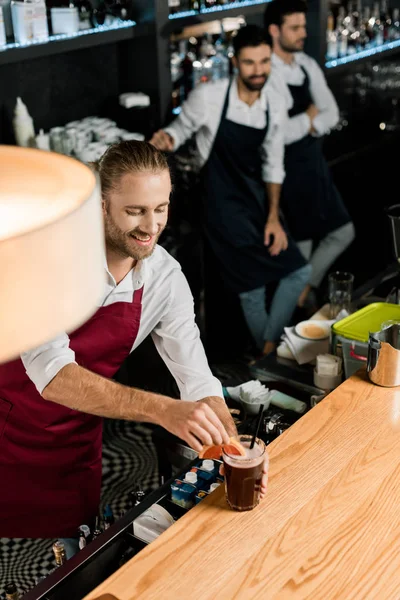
(50, 455)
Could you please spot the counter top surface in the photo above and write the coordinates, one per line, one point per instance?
(328, 528)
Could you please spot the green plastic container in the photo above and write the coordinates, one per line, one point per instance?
(350, 335)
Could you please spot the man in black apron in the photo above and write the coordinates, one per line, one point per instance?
(239, 128)
(316, 215)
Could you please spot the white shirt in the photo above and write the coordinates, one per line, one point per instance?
(292, 74)
(202, 111)
(167, 314)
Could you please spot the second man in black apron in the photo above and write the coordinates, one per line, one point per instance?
(315, 212)
(239, 128)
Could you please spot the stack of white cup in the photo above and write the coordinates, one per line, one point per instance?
(88, 138)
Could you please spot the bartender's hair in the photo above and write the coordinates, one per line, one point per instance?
(277, 10)
(127, 157)
(251, 36)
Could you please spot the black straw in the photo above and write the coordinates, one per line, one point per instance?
(259, 418)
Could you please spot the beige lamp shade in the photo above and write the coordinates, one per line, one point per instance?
(51, 247)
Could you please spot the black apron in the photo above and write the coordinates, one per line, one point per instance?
(236, 209)
(310, 201)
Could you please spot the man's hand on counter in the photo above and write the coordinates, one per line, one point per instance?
(162, 141)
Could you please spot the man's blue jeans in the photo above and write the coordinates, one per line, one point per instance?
(269, 327)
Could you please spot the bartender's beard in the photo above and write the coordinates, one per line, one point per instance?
(255, 84)
(292, 48)
(123, 243)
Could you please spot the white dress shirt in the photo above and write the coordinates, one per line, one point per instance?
(167, 314)
(292, 74)
(202, 111)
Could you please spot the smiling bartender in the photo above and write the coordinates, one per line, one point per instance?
(239, 127)
(315, 212)
(52, 401)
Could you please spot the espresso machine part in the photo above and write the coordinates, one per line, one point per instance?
(383, 364)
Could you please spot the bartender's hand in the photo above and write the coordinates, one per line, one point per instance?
(312, 111)
(274, 228)
(220, 408)
(195, 423)
(162, 141)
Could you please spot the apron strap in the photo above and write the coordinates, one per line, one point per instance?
(137, 295)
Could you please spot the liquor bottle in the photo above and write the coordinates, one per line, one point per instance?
(209, 3)
(108, 517)
(394, 33)
(59, 553)
(342, 32)
(378, 28)
(11, 591)
(194, 4)
(97, 529)
(85, 12)
(364, 39)
(352, 38)
(220, 62)
(386, 20)
(186, 69)
(174, 6)
(331, 39)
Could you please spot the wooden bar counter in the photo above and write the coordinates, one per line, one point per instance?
(329, 527)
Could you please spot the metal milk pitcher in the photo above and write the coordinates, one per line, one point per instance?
(383, 364)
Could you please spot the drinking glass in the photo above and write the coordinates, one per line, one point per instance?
(243, 474)
(340, 291)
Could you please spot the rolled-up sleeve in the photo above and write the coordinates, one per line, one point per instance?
(192, 117)
(43, 363)
(273, 150)
(177, 340)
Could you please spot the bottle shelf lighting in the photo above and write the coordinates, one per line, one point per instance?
(217, 8)
(118, 25)
(368, 53)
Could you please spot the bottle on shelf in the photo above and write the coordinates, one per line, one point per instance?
(174, 6)
(394, 33)
(386, 20)
(378, 27)
(23, 125)
(11, 591)
(186, 69)
(97, 529)
(342, 32)
(209, 3)
(331, 39)
(220, 61)
(59, 553)
(108, 517)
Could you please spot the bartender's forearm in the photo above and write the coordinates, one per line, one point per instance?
(273, 195)
(79, 389)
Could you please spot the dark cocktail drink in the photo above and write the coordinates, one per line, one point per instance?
(243, 475)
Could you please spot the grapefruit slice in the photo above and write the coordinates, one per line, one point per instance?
(233, 447)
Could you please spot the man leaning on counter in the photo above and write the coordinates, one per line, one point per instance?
(53, 398)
